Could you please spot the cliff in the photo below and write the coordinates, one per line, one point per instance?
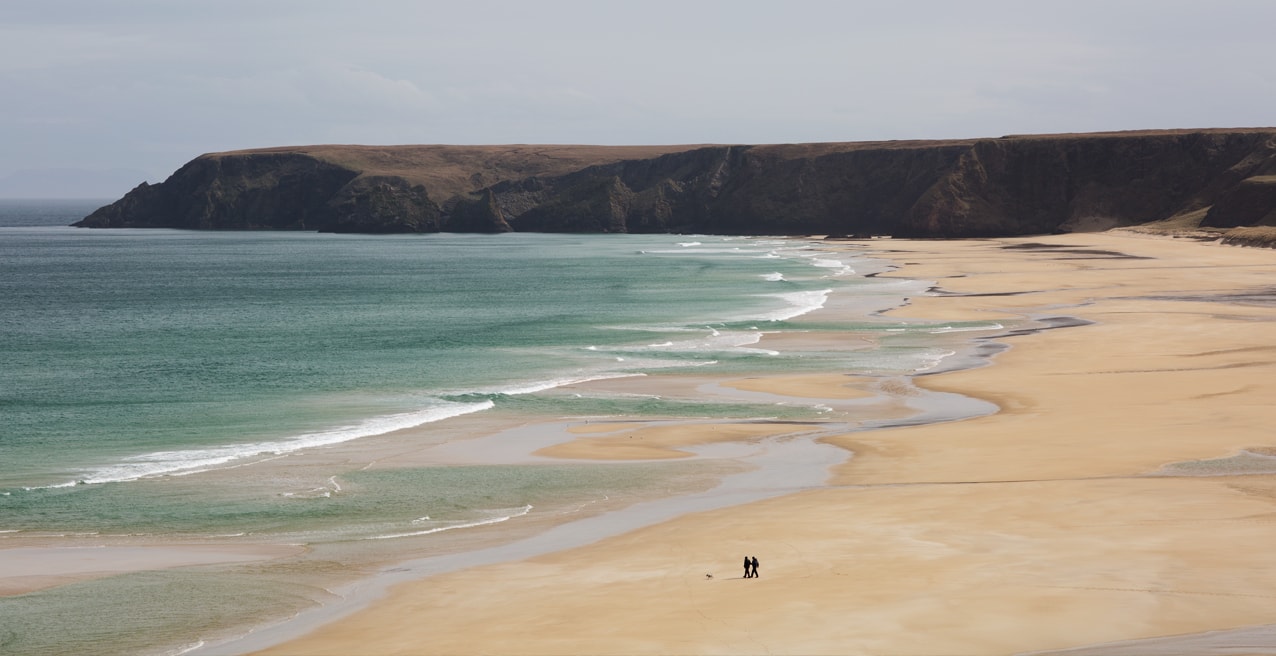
(1016, 185)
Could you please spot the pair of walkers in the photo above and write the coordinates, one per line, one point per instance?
(750, 567)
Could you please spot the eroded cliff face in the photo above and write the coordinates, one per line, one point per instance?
(1010, 186)
(249, 191)
(1023, 185)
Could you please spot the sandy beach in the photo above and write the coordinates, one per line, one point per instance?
(1123, 490)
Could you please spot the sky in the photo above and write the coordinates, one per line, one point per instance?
(99, 95)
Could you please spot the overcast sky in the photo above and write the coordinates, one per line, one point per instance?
(135, 88)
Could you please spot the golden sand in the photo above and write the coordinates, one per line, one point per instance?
(1047, 525)
(811, 386)
(662, 441)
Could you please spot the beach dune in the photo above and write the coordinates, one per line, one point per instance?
(1124, 490)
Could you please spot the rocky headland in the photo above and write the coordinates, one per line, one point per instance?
(1219, 183)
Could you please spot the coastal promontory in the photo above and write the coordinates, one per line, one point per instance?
(1219, 180)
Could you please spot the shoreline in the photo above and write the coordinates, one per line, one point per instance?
(782, 458)
(1044, 490)
(740, 441)
(1047, 525)
(716, 450)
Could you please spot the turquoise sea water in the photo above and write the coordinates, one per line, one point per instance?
(133, 354)
(142, 365)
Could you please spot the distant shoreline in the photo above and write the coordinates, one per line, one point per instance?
(1170, 181)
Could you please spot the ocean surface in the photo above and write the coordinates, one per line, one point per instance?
(144, 370)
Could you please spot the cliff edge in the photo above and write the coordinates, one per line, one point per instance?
(1202, 180)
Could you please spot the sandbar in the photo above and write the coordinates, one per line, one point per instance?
(816, 386)
(27, 569)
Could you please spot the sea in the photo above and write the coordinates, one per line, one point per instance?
(191, 387)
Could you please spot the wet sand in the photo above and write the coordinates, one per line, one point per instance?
(1106, 500)
(27, 569)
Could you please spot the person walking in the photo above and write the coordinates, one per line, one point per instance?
(747, 564)
(754, 574)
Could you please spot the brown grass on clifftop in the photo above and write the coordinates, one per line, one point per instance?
(449, 170)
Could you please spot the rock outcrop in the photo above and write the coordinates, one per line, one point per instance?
(1015, 185)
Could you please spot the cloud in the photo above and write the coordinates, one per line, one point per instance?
(148, 84)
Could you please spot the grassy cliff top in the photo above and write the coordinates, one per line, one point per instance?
(448, 170)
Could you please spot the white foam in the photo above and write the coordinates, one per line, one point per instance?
(775, 276)
(932, 360)
(519, 512)
(185, 649)
(656, 363)
(190, 461)
(541, 386)
(51, 487)
(822, 261)
(734, 250)
(799, 303)
(713, 340)
(966, 329)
